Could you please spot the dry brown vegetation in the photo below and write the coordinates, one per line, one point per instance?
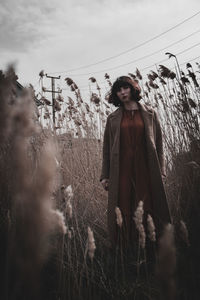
(50, 194)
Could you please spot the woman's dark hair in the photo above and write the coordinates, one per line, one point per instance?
(124, 81)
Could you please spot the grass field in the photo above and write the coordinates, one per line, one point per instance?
(53, 233)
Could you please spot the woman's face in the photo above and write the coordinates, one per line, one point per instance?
(124, 94)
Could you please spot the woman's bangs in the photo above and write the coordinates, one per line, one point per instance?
(119, 84)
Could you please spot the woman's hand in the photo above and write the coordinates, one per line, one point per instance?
(105, 183)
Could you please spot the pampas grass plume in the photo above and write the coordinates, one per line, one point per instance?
(139, 224)
(91, 243)
(119, 218)
(68, 192)
(151, 228)
(59, 221)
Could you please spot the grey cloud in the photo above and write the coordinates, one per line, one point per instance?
(26, 23)
(21, 24)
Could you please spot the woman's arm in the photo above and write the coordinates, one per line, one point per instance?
(106, 153)
(159, 145)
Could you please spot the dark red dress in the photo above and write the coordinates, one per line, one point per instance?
(134, 180)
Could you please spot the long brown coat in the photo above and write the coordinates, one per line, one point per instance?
(110, 165)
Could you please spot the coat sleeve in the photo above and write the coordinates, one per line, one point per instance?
(159, 145)
(106, 153)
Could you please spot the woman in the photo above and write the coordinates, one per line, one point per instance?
(133, 162)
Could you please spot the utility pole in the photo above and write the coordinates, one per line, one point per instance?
(53, 94)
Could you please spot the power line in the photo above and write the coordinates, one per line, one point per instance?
(141, 58)
(132, 48)
(122, 65)
(190, 60)
(167, 58)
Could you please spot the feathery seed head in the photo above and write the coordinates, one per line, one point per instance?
(92, 79)
(57, 106)
(69, 81)
(172, 75)
(139, 223)
(138, 74)
(139, 214)
(41, 74)
(151, 228)
(142, 236)
(164, 71)
(68, 192)
(60, 98)
(59, 221)
(91, 243)
(94, 98)
(170, 54)
(188, 65)
(162, 81)
(132, 75)
(119, 216)
(46, 101)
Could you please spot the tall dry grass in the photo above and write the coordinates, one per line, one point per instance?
(176, 98)
(44, 170)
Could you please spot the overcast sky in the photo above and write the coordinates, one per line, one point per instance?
(61, 35)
